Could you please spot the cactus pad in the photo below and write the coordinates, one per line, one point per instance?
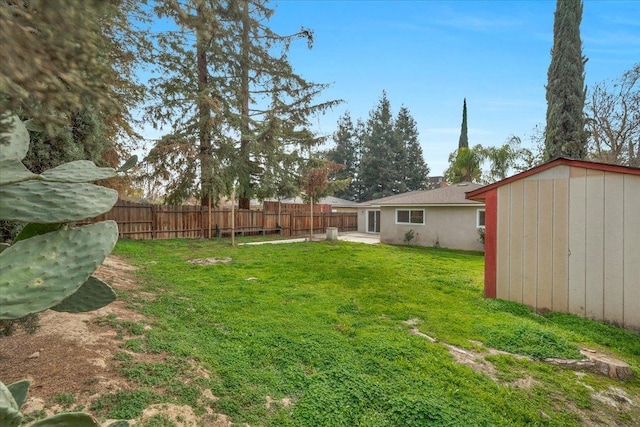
(40, 272)
(130, 163)
(92, 295)
(51, 202)
(19, 390)
(10, 415)
(18, 139)
(68, 419)
(14, 171)
(33, 229)
(78, 171)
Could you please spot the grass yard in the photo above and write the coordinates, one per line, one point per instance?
(319, 330)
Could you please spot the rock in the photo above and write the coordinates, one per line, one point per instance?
(34, 355)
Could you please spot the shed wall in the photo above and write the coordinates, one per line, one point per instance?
(568, 240)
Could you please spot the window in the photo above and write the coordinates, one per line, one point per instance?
(410, 216)
(480, 218)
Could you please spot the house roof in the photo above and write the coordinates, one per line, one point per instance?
(451, 195)
(329, 200)
(337, 202)
(480, 193)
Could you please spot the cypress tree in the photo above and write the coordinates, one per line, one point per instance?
(565, 134)
(464, 138)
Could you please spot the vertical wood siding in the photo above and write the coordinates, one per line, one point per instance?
(631, 308)
(568, 240)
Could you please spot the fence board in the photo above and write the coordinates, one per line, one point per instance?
(144, 221)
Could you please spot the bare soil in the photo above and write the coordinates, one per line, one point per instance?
(73, 354)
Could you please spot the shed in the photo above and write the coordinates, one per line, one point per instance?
(565, 237)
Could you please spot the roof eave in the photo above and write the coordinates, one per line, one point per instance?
(480, 193)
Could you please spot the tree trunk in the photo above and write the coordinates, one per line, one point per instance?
(244, 198)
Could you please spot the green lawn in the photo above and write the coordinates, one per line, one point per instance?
(322, 325)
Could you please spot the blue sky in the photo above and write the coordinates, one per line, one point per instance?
(429, 55)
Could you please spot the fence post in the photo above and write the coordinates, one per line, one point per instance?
(153, 222)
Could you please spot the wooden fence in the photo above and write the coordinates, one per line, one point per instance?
(144, 221)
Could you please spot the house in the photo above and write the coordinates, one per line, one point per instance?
(334, 204)
(340, 205)
(565, 236)
(441, 217)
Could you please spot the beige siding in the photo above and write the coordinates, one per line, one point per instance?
(503, 242)
(530, 244)
(577, 243)
(545, 264)
(594, 246)
(568, 240)
(560, 292)
(632, 251)
(614, 247)
(516, 220)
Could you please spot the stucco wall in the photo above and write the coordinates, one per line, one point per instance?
(454, 227)
(362, 219)
(568, 240)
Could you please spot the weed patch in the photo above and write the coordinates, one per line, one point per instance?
(530, 341)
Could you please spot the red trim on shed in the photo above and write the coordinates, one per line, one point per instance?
(490, 243)
(479, 194)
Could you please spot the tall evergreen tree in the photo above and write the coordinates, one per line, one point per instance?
(565, 133)
(360, 135)
(346, 152)
(410, 160)
(380, 174)
(233, 95)
(464, 137)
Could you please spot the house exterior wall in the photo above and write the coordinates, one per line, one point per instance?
(568, 240)
(454, 227)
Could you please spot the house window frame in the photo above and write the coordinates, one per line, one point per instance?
(410, 216)
(478, 225)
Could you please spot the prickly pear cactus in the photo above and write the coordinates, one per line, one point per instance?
(49, 264)
(14, 396)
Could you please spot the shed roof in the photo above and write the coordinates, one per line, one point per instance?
(480, 193)
(451, 195)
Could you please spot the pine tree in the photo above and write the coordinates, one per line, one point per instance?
(243, 100)
(380, 174)
(346, 153)
(464, 137)
(411, 160)
(360, 135)
(565, 133)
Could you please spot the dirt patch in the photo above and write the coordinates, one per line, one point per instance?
(73, 354)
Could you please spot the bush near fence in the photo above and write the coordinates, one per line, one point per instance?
(146, 221)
